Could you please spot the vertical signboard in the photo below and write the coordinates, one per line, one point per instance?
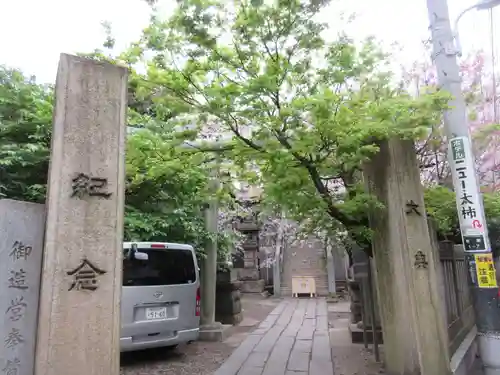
(485, 271)
(469, 206)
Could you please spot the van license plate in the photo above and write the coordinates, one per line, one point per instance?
(156, 313)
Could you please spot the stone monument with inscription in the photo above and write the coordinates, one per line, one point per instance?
(22, 226)
(415, 336)
(79, 315)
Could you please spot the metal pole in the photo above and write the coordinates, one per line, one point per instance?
(364, 311)
(493, 77)
(371, 293)
(469, 203)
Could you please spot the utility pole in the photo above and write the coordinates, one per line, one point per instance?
(469, 201)
(493, 67)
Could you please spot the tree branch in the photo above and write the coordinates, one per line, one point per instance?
(333, 211)
(248, 142)
(321, 188)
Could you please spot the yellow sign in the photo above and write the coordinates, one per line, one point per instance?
(485, 270)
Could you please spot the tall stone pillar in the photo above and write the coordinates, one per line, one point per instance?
(79, 314)
(415, 338)
(210, 330)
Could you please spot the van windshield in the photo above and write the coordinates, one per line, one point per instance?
(164, 267)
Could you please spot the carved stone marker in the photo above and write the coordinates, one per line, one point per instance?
(22, 226)
(79, 328)
(415, 336)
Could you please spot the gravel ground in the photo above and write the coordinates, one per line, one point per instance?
(349, 358)
(477, 368)
(199, 358)
(355, 360)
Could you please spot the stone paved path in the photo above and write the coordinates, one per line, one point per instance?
(292, 340)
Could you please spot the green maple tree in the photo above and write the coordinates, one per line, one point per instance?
(305, 113)
(25, 113)
(166, 187)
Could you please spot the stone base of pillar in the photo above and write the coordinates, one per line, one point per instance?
(228, 308)
(215, 332)
(357, 334)
(252, 286)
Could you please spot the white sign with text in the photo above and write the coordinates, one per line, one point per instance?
(468, 197)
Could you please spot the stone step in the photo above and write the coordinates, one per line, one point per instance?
(307, 265)
(304, 270)
(316, 279)
(252, 286)
(320, 285)
(319, 293)
(321, 288)
(305, 260)
(317, 289)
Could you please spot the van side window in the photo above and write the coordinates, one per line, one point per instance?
(164, 267)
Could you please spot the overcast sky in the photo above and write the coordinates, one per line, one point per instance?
(34, 32)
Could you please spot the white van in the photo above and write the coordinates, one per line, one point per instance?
(160, 304)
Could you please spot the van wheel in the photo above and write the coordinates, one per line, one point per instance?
(171, 347)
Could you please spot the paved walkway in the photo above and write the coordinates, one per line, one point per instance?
(292, 340)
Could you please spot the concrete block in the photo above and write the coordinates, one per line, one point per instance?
(322, 323)
(276, 364)
(296, 322)
(303, 346)
(321, 308)
(278, 309)
(311, 309)
(250, 370)
(320, 367)
(267, 324)
(299, 361)
(215, 333)
(292, 329)
(234, 363)
(321, 349)
(286, 316)
(257, 359)
(269, 340)
(306, 332)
